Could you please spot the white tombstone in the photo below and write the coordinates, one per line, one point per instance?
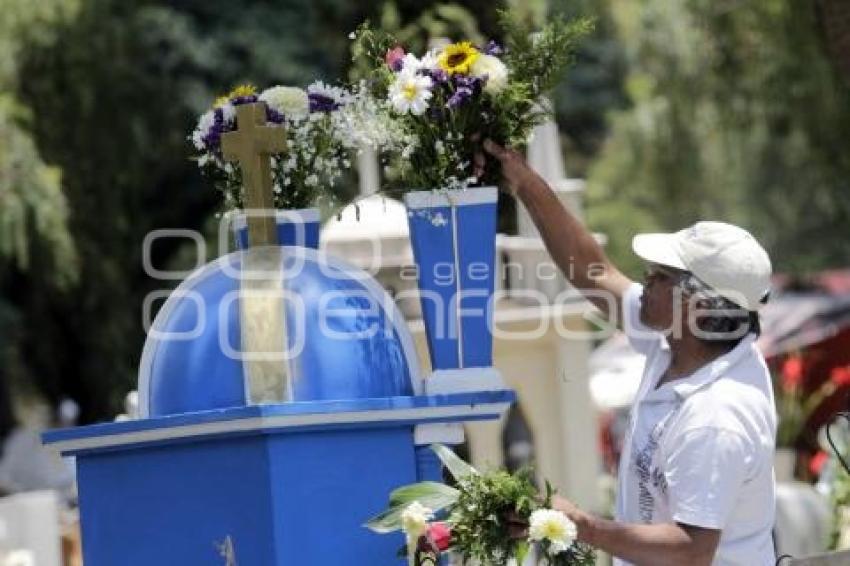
(30, 522)
(802, 520)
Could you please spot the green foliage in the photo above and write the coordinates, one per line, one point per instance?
(539, 58)
(437, 22)
(737, 115)
(32, 204)
(489, 518)
(112, 91)
(838, 432)
(480, 516)
(368, 50)
(840, 500)
(488, 514)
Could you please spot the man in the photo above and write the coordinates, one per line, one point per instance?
(696, 482)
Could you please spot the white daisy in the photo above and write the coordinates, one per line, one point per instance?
(410, 93)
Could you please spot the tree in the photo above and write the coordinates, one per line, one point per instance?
(36, 248)
(738, 114)
(113, 97)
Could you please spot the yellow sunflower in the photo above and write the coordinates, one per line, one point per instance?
(241, 90)
(458, 57)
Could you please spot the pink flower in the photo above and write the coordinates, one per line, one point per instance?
(394, 57)
(440, 534)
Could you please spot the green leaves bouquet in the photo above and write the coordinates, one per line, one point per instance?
(489, 517)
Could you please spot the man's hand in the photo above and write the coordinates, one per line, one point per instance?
(574, 514)
(661, 544)
(515, 170)
(571, 245)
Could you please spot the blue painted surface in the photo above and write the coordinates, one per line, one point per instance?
(433, 251)
(296, 498)
(373, 407)
(293, 496)
(289, 233)
(341, 480)
(477, 247)
(428, 465)
(352, 346)
(170, 505)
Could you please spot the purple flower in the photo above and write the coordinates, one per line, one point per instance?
(212, 140)
(465, 87)
(437, 75)
(239, 100)
(460, 96)
(322, 103)
(464, 81)
(493, 48)
(274, 116)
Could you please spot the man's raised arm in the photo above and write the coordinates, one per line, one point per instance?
(573, 248)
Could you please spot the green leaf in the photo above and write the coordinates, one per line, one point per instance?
(457, 467)
(387, 521)
(431, 494)
(521, 551)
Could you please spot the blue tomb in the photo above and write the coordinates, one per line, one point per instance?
(206, 477)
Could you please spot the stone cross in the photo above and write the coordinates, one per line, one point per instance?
(252, 146)
(268, 378)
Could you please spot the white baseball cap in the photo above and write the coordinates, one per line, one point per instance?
(725, 257)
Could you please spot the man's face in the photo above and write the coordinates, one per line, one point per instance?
(661, 305)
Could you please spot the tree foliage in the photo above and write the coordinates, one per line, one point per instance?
(738, 114)
(112, 98)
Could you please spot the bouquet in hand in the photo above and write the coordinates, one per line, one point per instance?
(323, 124)
(447, 100)
(489, 517)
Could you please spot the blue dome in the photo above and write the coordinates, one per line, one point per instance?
(349, 341)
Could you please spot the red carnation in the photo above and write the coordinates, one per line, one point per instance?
(792, 372)
(840, 376)
(440, 534)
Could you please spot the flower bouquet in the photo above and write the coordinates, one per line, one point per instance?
(447, 100)
(489, 517)
(323, 126)
(795, 403)
(444, 103)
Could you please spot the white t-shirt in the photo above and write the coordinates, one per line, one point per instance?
(699, 450)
